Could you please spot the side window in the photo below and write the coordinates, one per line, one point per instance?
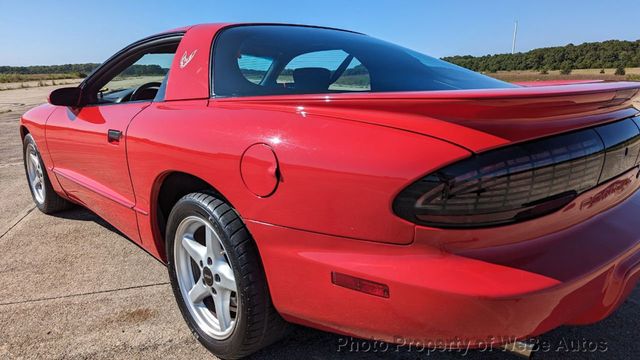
(140, 81)
(254, 68)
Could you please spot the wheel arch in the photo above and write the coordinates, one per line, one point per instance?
(168, 188)
(23, 132)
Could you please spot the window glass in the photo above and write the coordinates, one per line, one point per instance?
(254, 68)
(149, 68)
(328, 59)
(140, 81)
(354, 78)
(308, 60)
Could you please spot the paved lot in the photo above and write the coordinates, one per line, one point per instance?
(73, 287)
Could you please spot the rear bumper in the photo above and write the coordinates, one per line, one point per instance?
(488, 294)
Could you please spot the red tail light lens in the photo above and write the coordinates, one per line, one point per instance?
(523, 181)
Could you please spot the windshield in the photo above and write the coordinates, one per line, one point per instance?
(280, 59)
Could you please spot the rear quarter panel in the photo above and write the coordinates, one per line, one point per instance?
(338, 177)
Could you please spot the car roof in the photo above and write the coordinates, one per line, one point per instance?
(229, 24)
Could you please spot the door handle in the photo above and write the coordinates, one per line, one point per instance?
(113, 136)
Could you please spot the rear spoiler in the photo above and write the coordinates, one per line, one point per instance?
(475, 119)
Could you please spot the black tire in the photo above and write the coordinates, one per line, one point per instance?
(52, 202)
(258, 323)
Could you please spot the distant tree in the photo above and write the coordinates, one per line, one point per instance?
(566, 69)
(620, 70)
(602, 71)
(357, 70)
(544, 72)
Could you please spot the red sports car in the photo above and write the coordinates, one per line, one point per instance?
(297, 174)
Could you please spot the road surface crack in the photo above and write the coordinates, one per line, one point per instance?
(20, 218)
(82, 294)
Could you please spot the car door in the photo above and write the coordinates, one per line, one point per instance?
(88, 143)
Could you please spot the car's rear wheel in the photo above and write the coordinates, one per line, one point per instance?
(217, 278)
(45, 198)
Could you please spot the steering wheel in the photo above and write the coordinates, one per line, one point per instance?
(139, 90)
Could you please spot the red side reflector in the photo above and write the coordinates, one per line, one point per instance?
(362, 285)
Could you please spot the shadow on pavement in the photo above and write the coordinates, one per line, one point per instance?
(83, 214)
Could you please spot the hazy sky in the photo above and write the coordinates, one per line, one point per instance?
(74, 31)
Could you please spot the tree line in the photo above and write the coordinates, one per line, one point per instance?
(80, 70)
(49, 69)
(594, 55)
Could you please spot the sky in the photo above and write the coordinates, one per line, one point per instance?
(46, 32)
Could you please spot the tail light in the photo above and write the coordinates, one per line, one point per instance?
(358, 284)
(522, 181)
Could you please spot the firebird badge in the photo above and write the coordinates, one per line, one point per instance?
(185, 60)
(615, 188)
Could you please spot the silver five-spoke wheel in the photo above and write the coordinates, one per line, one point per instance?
(217, 277)
(42, 191)
(205, 277)
(34, 173)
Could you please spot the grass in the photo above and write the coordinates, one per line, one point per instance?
(11, 78)
(360, 82)
(632, 74)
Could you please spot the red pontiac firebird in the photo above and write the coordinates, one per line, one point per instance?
(298, 174)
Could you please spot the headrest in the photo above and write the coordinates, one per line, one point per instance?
(311, 79)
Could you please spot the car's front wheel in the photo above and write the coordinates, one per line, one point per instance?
(45, 198)
(217, 278)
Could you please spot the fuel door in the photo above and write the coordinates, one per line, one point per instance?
(259, 170)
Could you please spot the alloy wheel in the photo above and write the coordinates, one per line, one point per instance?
(205, 277)
(35, 173)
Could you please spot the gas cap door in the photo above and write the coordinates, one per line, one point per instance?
(259, 170)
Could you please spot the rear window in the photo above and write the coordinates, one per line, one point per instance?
(352, 77)
(254, 68)
(278, 59)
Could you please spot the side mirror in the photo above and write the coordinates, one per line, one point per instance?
(68, 96)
